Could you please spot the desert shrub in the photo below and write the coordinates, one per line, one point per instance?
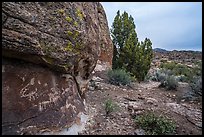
(195, 92)
(196, 86)
(119, 77)
(168, 65)
(167, 71)
(197, 70)
(169, 82)
(110, 106)
(181, 70)
(181, 78)
(151, 76)
(157, 75)
(155, 125)
(147, 77)
(161, 76)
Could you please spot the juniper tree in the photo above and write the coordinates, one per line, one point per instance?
(129, 53)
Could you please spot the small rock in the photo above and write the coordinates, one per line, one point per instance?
(139, 132)
(106, 88)
(91, 88)
(141, 97)
(139, 112)
(134, 105)
(151, 101)
(97, 78)
(155, 105)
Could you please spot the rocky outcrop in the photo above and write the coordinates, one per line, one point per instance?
(49, 51)
(106, 55)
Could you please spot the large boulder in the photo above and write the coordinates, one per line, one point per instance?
(49, 51)
(106, 45)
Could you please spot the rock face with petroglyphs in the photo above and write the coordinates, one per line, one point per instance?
(49, 51)
(36, 99)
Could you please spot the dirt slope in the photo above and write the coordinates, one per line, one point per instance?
(135, 101)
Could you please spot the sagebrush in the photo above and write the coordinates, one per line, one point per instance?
(119, 77)
(169, 82)
(195, 93)
(110, 106)
(155, 125)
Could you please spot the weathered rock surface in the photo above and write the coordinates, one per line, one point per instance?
(106, 43)
(191, 114)
(36, 99)
(49, 51)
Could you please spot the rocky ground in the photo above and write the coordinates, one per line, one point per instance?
(136, 100)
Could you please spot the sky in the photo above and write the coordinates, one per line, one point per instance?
(169, 25)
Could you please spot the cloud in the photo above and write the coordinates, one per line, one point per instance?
(169, 25)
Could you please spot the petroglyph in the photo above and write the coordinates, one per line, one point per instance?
(56, 97)
(32, 95)
(23, 79)
(32, 81)
(43, 105)
(45, 85)
(53, 81)
(39, 82)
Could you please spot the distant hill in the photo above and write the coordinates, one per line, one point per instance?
(159, 50)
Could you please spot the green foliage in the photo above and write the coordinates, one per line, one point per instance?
(159, 75)
(185, 73)
(197, 70)
(119, 77)
(135, 57)
(166, 77)
(178, 69)
(168, 65)
(196, 86)
(169, 82)
(181, 78)
(110, 106)
(156, 125)
(195, 93)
